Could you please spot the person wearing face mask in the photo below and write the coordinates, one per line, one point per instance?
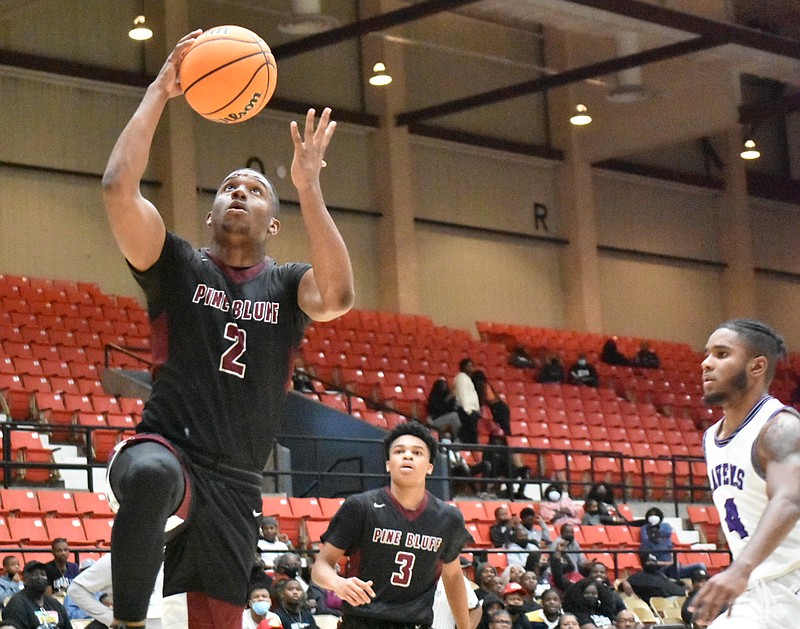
(32, 608)
(259, 603)
(583, 372)
(514, 599)
(651, 581)
(289, 565)
(557, 507)
(656, 538)
(592, 604)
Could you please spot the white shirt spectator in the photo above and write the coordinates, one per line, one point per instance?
(465, 393)
(442, 614)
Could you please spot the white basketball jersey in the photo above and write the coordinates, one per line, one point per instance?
(739, 490)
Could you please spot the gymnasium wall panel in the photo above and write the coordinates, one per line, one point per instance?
(465, 276)
(660, 299)
(779, 305)
(775, 228)
(650, 216)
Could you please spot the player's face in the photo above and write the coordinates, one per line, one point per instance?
(409, 460)
(244, 207)
(725, 368)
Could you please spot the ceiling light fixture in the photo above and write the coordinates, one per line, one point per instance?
(379, 76)
(581, 116)
(750, 151)
(140, 32)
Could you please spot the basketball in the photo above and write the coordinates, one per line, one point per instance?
(228, 74)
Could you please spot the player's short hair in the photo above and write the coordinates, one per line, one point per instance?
(263, 178)
(761, 339)
(415, 429)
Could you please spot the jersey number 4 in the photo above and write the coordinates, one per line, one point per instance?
(405, 561)
(229, 361)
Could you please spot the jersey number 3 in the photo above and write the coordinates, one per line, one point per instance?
(405, 561)
(229, 361)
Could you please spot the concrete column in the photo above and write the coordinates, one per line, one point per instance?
(736, 236)
(575, 190)
(392, 175)
(173, 155)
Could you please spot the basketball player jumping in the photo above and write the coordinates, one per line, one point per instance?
(753, 456)
(226, 321)
(399, 539)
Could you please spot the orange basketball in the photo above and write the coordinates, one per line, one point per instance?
(228, 74)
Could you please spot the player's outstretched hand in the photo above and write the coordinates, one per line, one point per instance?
(309, 148)
(718, 593)
(168, 77)
(355, 591)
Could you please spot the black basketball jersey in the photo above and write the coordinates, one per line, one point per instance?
(401, 551)
(224, 342)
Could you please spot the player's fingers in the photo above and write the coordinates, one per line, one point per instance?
(295, 131)
(309, 130)
(368, 589)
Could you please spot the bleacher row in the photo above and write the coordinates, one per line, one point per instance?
(53, 339)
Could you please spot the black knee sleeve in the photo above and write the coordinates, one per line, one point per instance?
(148, 481)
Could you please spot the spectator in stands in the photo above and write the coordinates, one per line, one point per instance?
(603, 493)
(92, 591)
(520, 358)
(699, 578)
(656, 538)
(552, 371)
(60, 572)
(442, 414)
(492, 605)
(522, 547)
(583, 372)
(564, 570)
(557, 507)
(651, 581)
(594, 516)
(568, 621)
(646, 357)
(442, 614)
(591, 602)
(468, 404)
(11, 581)
(258, 607)
(598, 571)
(32, 608)
(611, 355)
(547, 617)
(514, 599)
(502, 531)
(74, 611)
(460, 468)
(567, 544)
(536, 579)
(626, 619)
(292, 605)
(507, 464)
(290, 566)
(538, 532)
(484, 577)
(272, 543)
(501, 413)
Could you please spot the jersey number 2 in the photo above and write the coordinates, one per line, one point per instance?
(229, 361)
(405, 561)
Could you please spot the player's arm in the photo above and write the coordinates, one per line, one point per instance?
(453, 580)
(136, 224)
(778, 452)
(323, 573)
(326, 291)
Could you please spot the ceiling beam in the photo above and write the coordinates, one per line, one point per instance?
(609, 66)
(724, 32)
(366, 26)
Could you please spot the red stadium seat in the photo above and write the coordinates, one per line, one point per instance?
(92, 504)
(57, 503)
(19, 502)
(29, 531)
